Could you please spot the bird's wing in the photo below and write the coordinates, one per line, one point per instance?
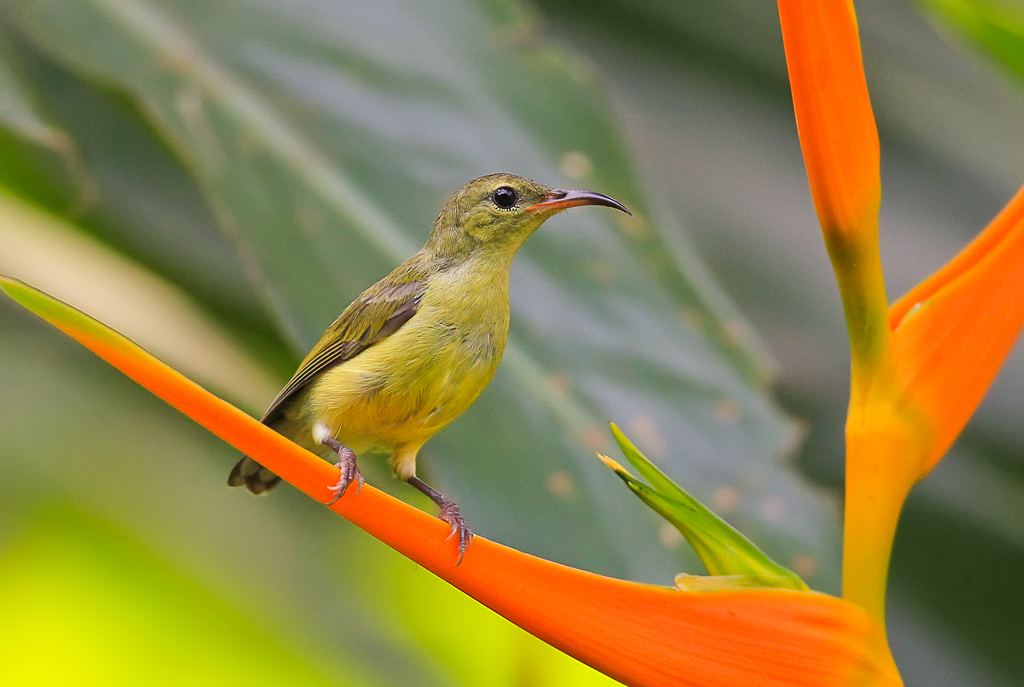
(374, 316)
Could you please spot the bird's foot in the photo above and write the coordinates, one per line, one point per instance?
(449, 513)
(349, 470)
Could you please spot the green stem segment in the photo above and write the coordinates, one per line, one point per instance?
(858, 267)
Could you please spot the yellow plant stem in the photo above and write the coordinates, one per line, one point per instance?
(886, 444)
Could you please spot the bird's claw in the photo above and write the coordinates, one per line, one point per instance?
(349, 473)
(451, 515)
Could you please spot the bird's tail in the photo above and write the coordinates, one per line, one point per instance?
(254, 476)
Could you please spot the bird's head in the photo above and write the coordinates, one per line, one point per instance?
(499, 211)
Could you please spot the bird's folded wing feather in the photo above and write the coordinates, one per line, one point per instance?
(374, 316)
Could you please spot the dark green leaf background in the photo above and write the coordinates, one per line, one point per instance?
(270, 160)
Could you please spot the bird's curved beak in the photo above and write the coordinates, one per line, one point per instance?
(559, 200)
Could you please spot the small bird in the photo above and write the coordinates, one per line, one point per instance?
(415, 349)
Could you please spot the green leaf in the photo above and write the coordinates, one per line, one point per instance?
(19, 104)
(144, 203)
(38, 158)
(997, 26)
(723, 550)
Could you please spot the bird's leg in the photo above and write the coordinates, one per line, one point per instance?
(449, 513)
(349, 469)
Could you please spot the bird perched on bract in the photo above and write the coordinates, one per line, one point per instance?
(415, 349)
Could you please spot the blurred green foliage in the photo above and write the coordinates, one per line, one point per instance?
(997, 26)
(267, 161)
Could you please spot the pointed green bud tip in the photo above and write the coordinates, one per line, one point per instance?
(732, 560)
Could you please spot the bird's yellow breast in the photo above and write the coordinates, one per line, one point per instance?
(404, 389)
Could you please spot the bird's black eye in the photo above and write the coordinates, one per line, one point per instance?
(504, 197)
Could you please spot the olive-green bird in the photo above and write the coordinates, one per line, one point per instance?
(416, 348)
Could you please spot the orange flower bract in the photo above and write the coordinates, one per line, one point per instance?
(833, 112)
(639, 634)
(952, 332)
